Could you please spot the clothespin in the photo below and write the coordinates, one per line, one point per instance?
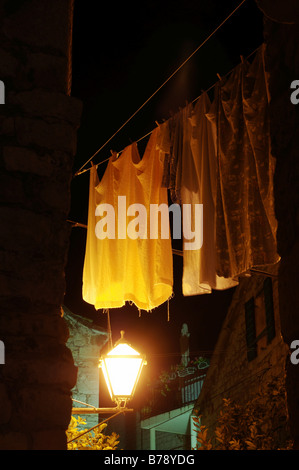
(157, 123)
(219, 76)
(114, 154)
(242, 59)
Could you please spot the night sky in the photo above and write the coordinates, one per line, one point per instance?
(121, 55)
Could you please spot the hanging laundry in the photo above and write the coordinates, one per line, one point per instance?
(173, 160)
(198, 186)
(90, 268)
(135, 268)
(245, 221)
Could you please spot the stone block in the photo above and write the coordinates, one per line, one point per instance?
(54, 439)
(88, 383)
(48, 135)
(35, 284)
(5, 411)
(40, 234)
(6, 126)
(19, 225)
(89, 352)
(57, 195)
(62, 162)
(17, 323)
(8, 64)
(35, 367)
(25, 160)
(46, 71)
(12, 190)
(44, 103)
(38, 407)
(14, 441)
(40, 23)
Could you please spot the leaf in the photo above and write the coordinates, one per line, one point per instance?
(250, 445)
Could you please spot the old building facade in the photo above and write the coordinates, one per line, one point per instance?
(281, 35)
(85, 341)
(250, 352)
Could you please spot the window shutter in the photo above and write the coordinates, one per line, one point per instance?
(269, 309)
(250, 329)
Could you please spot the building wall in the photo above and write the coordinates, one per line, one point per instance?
(231, 374)
(38, 129)
(85, 342)
(165, 441)
(281, 33)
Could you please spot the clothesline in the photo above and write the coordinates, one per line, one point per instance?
(158, 89)
(115, 272)
(193, 101)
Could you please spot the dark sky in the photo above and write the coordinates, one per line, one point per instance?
(121, 55)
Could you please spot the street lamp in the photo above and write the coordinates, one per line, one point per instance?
(122, 367)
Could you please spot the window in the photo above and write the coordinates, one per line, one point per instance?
(259, 320)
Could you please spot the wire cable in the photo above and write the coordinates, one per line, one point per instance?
(161, 86)
(193, 101)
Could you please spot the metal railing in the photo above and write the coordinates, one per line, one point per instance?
(180, 392)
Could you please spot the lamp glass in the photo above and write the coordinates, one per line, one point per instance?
(121, 368)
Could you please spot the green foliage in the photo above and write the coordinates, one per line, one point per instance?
(199, 362)
(260, 424)
(166, 377)
(93, 440)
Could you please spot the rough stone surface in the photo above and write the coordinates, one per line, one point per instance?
(38, 126)
(40, 133)
(5, 411)
(24, 160)
(49, 440)
(86, 341)
(234, 376)
(282, 63)
(43, 103)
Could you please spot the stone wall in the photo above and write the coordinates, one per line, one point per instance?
(230, 374)
(172, 441)
(165, 440)
(38, 126)
(281, 32)
(85, 341)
